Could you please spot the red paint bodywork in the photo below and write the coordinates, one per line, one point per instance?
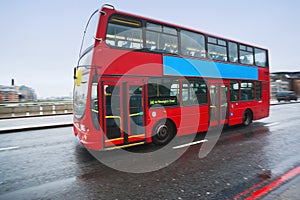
(112, 64)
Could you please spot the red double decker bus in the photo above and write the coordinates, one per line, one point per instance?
(139, 80)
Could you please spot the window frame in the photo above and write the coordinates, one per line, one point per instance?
(252, 90)
(237, 51)
(159, 83)
(217, 44)
(198, 42)
(189, 81)
(160, 34)
(266, 57)
(129, 18)
(246, 51)
(260, 90)
(236, 92)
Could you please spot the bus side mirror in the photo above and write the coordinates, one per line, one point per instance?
(74, 74)
(77, 76)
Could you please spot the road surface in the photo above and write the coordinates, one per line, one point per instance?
(51, 164)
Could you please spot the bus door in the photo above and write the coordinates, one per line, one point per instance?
(135, 129)
(123, 113)
(112, 113)
(218, 104)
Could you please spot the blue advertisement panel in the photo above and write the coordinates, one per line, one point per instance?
(192, 67)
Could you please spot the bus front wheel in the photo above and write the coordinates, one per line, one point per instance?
(247, 117)
(163, 132)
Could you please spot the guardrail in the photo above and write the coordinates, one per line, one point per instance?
(34, 110)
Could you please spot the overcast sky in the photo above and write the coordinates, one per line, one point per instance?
(40, 39)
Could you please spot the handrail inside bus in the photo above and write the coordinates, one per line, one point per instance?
(80, 51)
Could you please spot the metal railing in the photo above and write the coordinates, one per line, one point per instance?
(35, 110)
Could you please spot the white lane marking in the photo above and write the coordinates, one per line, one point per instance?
(273, 124)
(189, 144)
(8, 148)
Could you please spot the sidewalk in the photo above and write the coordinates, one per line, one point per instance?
(275, 102)
(29, 123)
(289, 191)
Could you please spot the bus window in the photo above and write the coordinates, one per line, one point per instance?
(233, 52)
(258, 90)
(192, 44)
(194, 92)
(94, 98)
(234, 91)
(124, 33)
(246, 55)
(165, 92)
(260, 57)
(80, 95)
(95, 102)
(216, 49)
(247, 91)
(161, 39)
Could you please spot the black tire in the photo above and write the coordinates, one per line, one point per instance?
(247, 117)
(163, 132)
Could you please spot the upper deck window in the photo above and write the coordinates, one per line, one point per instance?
(124, 33)
(161, 38)
(246, 55)
(260, 57)
(216, 49)
(192, 44)
(233, 52)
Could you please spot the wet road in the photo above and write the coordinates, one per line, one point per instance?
(36, 121)
(50, 164)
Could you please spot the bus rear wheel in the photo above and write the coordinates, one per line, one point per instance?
(163, 132)
(247, 117)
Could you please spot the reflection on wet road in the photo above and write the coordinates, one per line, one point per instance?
(51, 164)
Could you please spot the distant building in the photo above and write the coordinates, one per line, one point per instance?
(285, 81)
(27, 93)
(8, 94)
(279, 86)
(16, 93)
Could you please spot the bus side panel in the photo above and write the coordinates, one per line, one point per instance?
(188, 120)
(194, 119)
(235, 113)
(122, 62)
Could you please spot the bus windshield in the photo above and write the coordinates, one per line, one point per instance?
(84, 63)
(80, 94)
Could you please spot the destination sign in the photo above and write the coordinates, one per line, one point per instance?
(164, 101)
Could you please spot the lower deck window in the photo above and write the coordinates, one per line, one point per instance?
(247, 91)
(165, 92)
(194, 92)
(234, 91)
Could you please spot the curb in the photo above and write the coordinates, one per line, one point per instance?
(266, 188)
(277, 103)
(21, 129)
(34, 116)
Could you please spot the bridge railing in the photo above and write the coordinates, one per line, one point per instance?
(35, 110)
